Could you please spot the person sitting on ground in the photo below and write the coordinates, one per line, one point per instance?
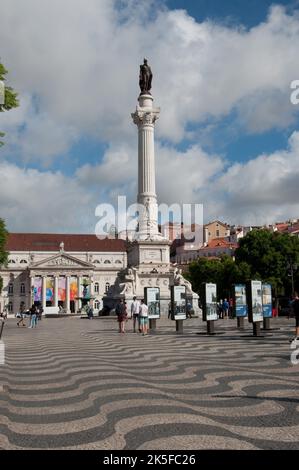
(22, 316)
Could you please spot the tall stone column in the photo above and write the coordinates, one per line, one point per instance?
(56, 291)
(79, 291)
(31, 293)
(44, 292)
(67, 295)
(145, 117)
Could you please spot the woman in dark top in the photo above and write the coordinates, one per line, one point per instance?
(122, 314)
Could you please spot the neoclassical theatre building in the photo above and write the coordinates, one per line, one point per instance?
(59, 270)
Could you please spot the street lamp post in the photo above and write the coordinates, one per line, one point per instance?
(292, 267)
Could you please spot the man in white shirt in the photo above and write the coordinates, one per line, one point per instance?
(143, 315)
(135, 313)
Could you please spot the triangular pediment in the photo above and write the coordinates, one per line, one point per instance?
(62, 260)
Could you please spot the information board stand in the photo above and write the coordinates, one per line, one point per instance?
(267, 325)
(257, 329)
(178, 307)
(209, 302)
(152, 324)
(255, 306)
(267, 306)
(211, 327)
(152, 300)
(179, 326)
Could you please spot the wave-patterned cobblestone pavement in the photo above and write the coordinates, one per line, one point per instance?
(79, 384)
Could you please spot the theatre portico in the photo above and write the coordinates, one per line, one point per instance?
(60, 270)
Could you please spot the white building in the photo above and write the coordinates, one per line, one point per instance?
(59, 270)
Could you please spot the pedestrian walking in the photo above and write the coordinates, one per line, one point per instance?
(33, 317)
(169, 310)
(295, 308)
(225, 308)
(220, 309)
(231, 308)
(40, 312)
(143, 313)
(121, 312)
(5, 312)
(135, 313)
(90, 313)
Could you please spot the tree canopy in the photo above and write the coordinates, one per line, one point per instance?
(271, 257)
(224, 272)
(263, 255)
(10, 96)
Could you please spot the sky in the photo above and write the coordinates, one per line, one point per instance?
(227, 136)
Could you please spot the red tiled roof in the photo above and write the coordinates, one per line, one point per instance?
(51, 242)
(222, 242)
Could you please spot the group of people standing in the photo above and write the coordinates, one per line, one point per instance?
(225, 308)
(35, 314)
(139, 315)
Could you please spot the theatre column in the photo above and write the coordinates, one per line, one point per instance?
(79, 292)
(31, 301)
(56, 291)
(44, 292)
(67, 295)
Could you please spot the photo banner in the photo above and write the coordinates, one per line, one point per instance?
(62, 289)
(50, 289)
(152, 300)
(73, 288)
(179, 301)
(37, 289)
(240, 300)
(210, 302)
(267, 300)
(255, 301)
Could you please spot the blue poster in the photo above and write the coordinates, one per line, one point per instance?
(240, 300)
(267, 300)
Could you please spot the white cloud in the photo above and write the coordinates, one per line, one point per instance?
(79, 61)
(76, 65)
(262, 190)
(36, 201)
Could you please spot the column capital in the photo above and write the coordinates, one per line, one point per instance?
(145, 116)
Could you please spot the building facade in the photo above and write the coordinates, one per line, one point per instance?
(59, 271)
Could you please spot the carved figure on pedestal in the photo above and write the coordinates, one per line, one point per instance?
(129, 286)
(179, 280)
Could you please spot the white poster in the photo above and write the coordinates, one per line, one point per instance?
(211, 302)
(257, 301)
(153, 302)
(179, 303)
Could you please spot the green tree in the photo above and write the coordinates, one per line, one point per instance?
(223, 271)
(3, 252)
(10, 96)
(270, 256)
